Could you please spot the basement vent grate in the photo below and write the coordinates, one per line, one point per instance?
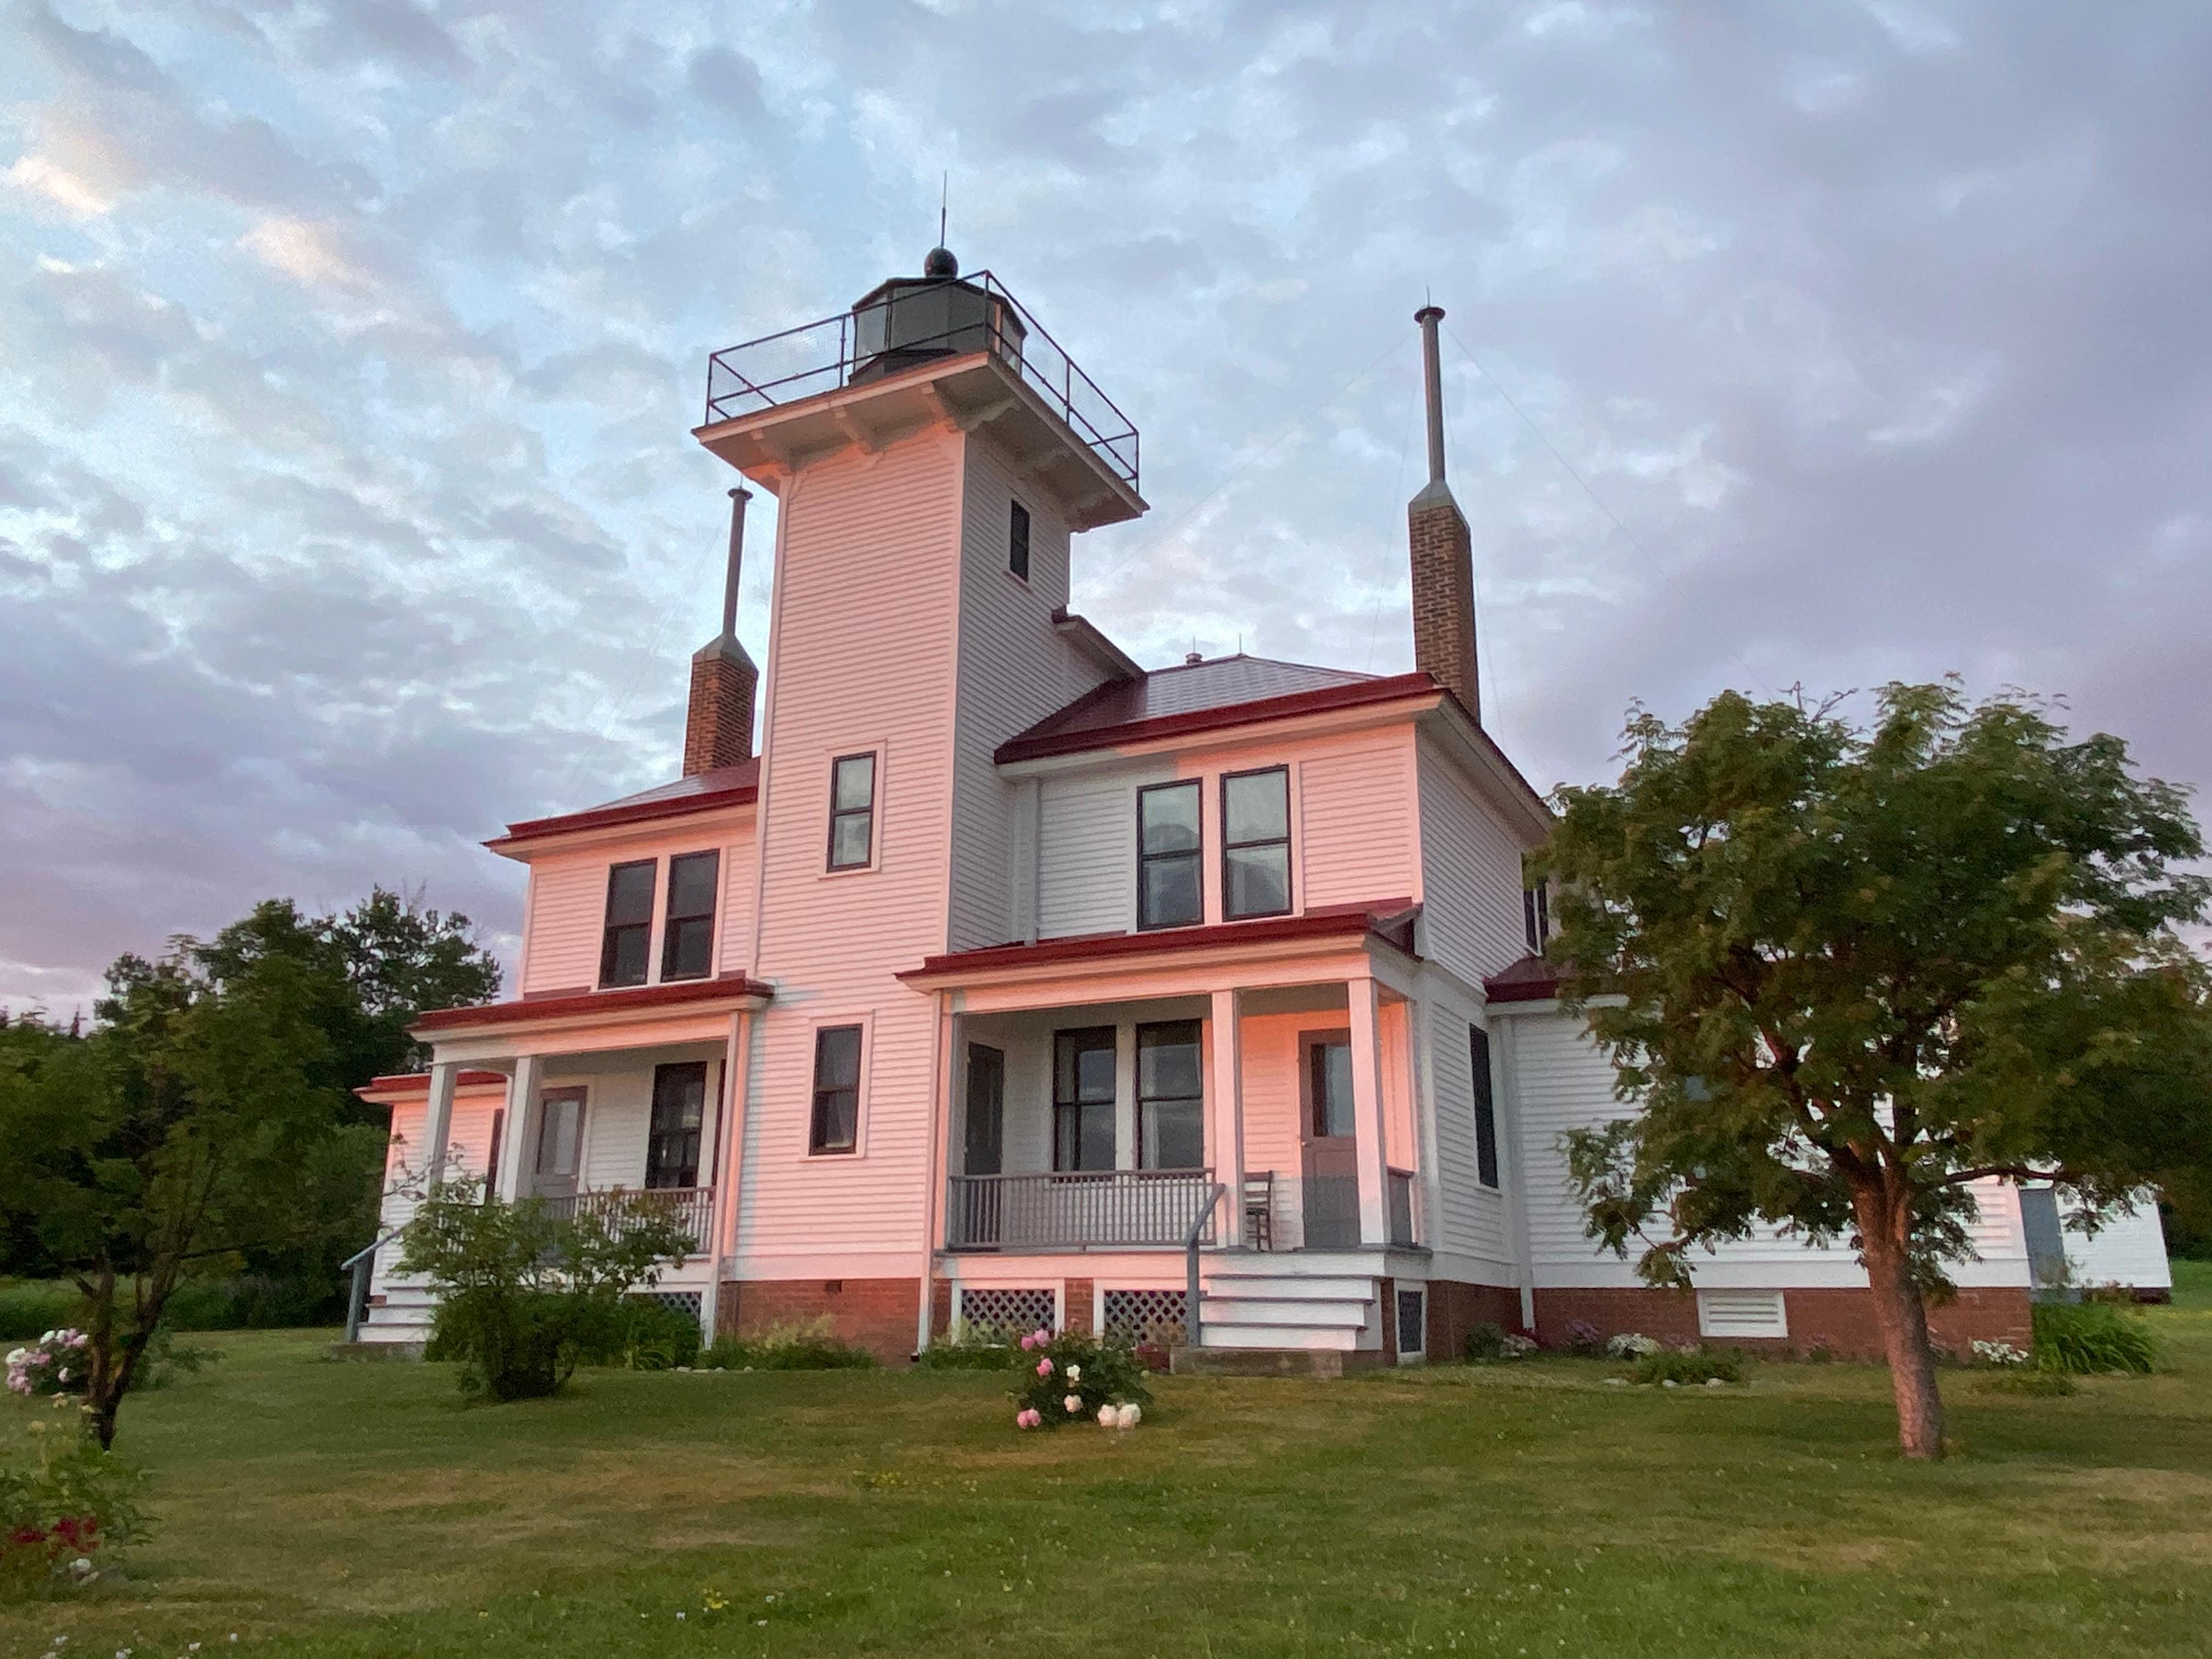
(1412, 1322)
(1005, 1315)
(1154, 1316)
(1741, 1313)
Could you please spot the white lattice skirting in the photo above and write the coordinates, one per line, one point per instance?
(1005, 1315)
(1157, 1316)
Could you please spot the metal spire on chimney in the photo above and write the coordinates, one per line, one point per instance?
(738, 499)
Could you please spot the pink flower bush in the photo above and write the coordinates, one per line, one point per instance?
(1070, 1377)
(1044, 1368)
(1028, 1418)
(56, 1363)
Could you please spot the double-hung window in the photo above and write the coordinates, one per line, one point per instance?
(625, 947)
(1169, 884)
(1536, 915)
(1486, 1107)
(687, 941)
(1171, 1103)
(679, 1119)
(852, 811)
(837, 1124)
(1083, 1065)
(1255, 843)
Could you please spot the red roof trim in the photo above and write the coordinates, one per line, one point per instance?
(602, 818)
(594, 1002)
(1323, 700)
(1388, 919)
(1532, 979)
(409, 1080)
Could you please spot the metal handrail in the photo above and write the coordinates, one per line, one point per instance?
(731, 392)
(362, 1262)
(1192, 1295)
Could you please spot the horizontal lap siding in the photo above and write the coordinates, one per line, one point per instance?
(864, 628)
(618, 1111)
(1474, 1220)
(1087, 850)
(1357, 822)
(568, 909)
(1274, 1132)
(1470, 876)
(1014, 670)
(740, 867)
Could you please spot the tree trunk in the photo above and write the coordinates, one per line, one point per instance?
(1884, 1221)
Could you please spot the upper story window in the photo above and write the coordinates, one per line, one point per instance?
(625, 948)
(1083, 1065)
(1536, 915)
(1171, 1105)
(852, 811)
(1169, 888)
(1255, 843)
(836, 1125)
(687, 943)
(1017, 540)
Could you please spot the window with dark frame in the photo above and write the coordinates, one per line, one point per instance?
(1170, 1096)
(1255, 843)
(1536, 915)
(836, 1125)
(1486, 1107)
(1329, 1080)
(625, 948)
(1018, 540)
(1082, 1066)
(1170, 887)
(852, 811)
(687, 942)
(678, 1125)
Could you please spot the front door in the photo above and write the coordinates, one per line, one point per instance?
(560, 1144)
(1329, 1199)
(987, 1110)
(986, 1145)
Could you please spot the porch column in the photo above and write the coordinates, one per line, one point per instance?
(1224, 1138)
(945, 1072)
(438, 1121)
(724, 1170)
(518, 1147)
(1370, 1127)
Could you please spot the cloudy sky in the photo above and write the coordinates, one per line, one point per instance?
(349, 353)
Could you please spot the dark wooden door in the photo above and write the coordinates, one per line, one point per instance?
(1329, 1199)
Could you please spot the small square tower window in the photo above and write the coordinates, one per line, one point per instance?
(1017, 540)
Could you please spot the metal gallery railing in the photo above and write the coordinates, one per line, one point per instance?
(1081, 1209)
(835, 350)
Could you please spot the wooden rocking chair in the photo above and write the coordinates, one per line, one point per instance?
(1259, 1209)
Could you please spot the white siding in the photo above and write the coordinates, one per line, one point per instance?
(1470, 876)
(567, 908)
(1473, 1218)
(2128, 1250)
(1087, 850)
(1357, 834)
(735, 924)
(1015, 669)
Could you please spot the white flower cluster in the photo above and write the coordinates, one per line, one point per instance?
(1120, 1417)
(1514, 1345)
(1999, 1353)
(53, 1365)
(1631, 1345)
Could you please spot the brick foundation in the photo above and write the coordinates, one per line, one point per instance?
(1077, 1296)
(875, 1314)
(1841, 1320)
(1455, 1309)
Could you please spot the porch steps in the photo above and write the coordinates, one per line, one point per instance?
(398, 1312)
(1271, 1308)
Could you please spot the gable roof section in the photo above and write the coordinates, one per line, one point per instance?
(1532, 979)
(1203, 697)
(707, 792)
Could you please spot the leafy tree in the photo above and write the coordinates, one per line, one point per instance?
(1848, 973)
(523, 1293)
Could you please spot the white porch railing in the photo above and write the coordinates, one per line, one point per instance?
(1137, 1209)
(691, 1208)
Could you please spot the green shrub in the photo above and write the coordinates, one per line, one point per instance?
(1487, 1340)
(2045, 1385)
(1689, 1365)
(980, 1353)
(1051, 1370)
(34, 1307)
(646, 1334)
(525, 1295)
(808, 1348)
(66, 1502)
(2086, 1337)
(253, 1302)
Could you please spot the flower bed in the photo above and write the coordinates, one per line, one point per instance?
(1073, 1377)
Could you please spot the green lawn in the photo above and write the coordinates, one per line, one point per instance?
(326, 1508)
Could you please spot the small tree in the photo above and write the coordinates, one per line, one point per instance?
(524, 1293)
(1858, 972)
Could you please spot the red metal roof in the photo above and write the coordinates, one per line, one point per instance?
(1532, 979)
(563, 1005)
(707, 792)
(1205, 696)
(468, 1079)
(1390, 920)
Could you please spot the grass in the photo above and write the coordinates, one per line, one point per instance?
(323, 1508)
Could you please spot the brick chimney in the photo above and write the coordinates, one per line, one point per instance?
(718, 727)
(1442, 551)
